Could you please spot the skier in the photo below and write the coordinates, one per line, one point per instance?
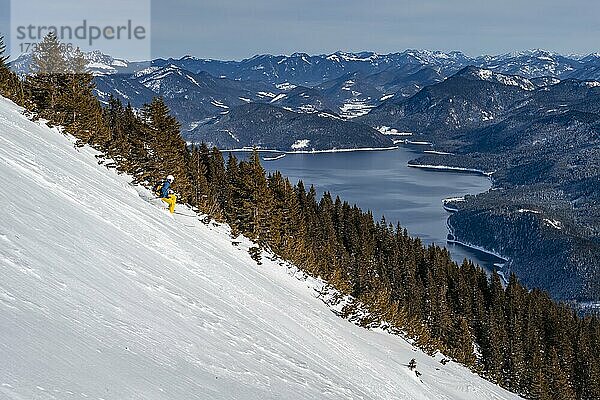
(166, 194)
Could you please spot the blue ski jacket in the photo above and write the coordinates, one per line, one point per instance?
(164, 191)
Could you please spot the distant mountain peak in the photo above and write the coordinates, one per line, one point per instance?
(472, 72)
(349, 57)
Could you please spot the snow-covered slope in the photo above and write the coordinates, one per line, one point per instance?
(104, 295)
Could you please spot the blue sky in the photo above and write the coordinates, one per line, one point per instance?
(235, 29)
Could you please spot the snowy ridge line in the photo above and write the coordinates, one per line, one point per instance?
(450, 168)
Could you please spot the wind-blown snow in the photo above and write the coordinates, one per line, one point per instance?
(300, 144)
(508, 80)
(355, 108)
(285, 86)
(104, 295)
(553, 223)
(386, 130)
(219, 104)
(524, 210)
(280, 96)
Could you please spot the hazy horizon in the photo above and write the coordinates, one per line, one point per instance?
(578, 55)
(236, 29)
(239, 29)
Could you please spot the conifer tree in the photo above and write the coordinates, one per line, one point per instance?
(114, 117)
(10, 84)
(135, 148)
(3, 57)
(560, 386)
(49, 67)
(293, 225)
(462, 342)
(515, 360)
(167, 151)
(257, 202)
(199, 183)
(218, 176)
(233, 202)
(82, 112)
(215, 179)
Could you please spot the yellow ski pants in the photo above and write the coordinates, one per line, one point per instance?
(171, 200)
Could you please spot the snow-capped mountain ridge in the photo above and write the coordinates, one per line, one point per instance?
(529, 63)
(98, 63)
(492, 76)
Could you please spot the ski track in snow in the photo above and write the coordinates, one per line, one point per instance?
(104, 295)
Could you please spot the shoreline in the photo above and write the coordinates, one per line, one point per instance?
(349, 150)
(498, 266)
(478, 248)
(439, 168)
(277, 157)
(413, 142)
(452, 239)
(450, 200)
(503, 260)
(450, 168)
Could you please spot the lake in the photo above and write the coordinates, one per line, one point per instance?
(382, 182)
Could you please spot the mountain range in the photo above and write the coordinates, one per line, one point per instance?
(529, 119)
(347, 85)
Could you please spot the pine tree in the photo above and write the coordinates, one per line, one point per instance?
(114, 118)
(49, 67)
(494, 349)
(167, 151)
(136, 158)
(10, 84)
(560, 386)
(214, 170)
(218, 176)
(3, 58)
(81, 111)
(199, 183)
(257, 201)
(462, 343)
(233, 202)
(515, 359)
(293, 225)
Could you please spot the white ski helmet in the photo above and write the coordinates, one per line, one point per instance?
(170, 178)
